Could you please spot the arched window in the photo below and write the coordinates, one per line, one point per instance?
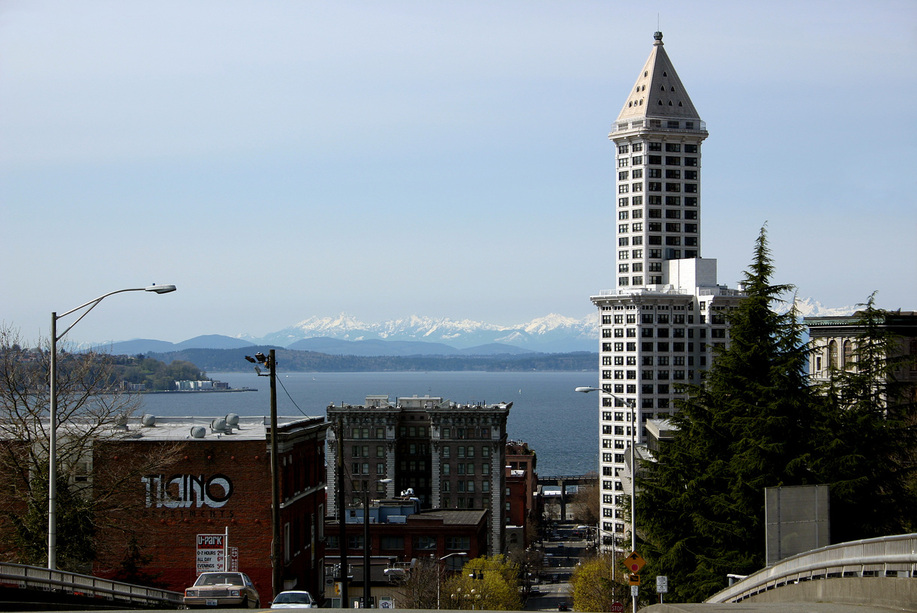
(832, 355)
(848, 355)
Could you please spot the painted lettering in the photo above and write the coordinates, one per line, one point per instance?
(184, 491)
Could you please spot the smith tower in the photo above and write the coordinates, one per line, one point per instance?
(666, 314)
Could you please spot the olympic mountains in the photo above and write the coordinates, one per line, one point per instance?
(420, 336)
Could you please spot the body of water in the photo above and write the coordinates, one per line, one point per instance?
(562, 426)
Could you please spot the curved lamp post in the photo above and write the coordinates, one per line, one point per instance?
(52, 436)
(439, 571)
(632, 405)
(367, 570)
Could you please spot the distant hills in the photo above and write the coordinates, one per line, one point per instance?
(345, 335)
(423, 336)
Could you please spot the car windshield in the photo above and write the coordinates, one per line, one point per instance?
(219, 579)
(294, 598)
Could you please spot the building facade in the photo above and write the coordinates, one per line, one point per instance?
(667, 313)
(447, 455)
(833, 340)
(218, 485)
(399, 534)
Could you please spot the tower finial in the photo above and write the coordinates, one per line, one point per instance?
(657, 36)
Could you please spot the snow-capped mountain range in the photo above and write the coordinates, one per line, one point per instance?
(551, 333)
(415, 335)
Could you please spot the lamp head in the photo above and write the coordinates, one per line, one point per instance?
(250, 359)
(161, 289)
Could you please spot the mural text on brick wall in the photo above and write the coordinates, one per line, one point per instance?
(182, 491)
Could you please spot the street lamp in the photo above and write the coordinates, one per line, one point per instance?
(367, 592)
(52, 429)
(439, 576)
(271, 362)
(632, 405)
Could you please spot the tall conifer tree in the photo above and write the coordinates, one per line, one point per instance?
(746, 427)
(869, 434)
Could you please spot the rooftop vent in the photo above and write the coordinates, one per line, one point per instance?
(219, 425)
(198, 432)
(232, 420)
(148, 420)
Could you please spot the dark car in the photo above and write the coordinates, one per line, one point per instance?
(222, 589)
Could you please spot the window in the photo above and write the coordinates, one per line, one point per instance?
(638, 147)
(427, 543)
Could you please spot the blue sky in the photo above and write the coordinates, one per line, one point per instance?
(278, 160)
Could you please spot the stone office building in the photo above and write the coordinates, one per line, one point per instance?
(448, 455)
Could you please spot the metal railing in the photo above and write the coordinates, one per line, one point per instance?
(73, 584)
(887, 556)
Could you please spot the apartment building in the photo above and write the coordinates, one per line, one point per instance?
(447, 455)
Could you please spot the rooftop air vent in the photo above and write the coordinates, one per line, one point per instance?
(198, 432)
(218, 425)
(232, 420)
(148, 420)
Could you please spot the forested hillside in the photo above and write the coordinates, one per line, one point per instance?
(233, 360)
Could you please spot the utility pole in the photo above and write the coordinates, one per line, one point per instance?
(275, 482)
(276, 563)
(342, 514)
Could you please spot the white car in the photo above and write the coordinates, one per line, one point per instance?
(293, 599)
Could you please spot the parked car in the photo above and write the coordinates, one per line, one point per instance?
(293, 599)
(222, 589)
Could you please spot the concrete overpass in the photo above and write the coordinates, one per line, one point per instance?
(865, 576)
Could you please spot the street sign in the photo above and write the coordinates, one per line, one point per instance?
(211, 552)
(634, 562)
(634, 579)
(617, 607)
(634, 591)
(662, 584)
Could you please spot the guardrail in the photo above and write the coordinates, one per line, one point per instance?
(887, 556)
(85, 586)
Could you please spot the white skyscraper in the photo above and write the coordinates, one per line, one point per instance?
(660, 324)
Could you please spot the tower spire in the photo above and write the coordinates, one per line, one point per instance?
(658, 91)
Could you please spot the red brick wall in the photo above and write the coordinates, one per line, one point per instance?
(167, 529)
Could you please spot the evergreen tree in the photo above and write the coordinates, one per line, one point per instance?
(868, 437)
(746, 427)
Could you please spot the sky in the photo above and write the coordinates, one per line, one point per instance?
(288, 159)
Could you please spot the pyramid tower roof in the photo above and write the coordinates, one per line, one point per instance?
(658, 92)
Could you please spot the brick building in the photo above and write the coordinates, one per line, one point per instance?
(218, 484)
(520, 495)
(400, 532)
(451, 456)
